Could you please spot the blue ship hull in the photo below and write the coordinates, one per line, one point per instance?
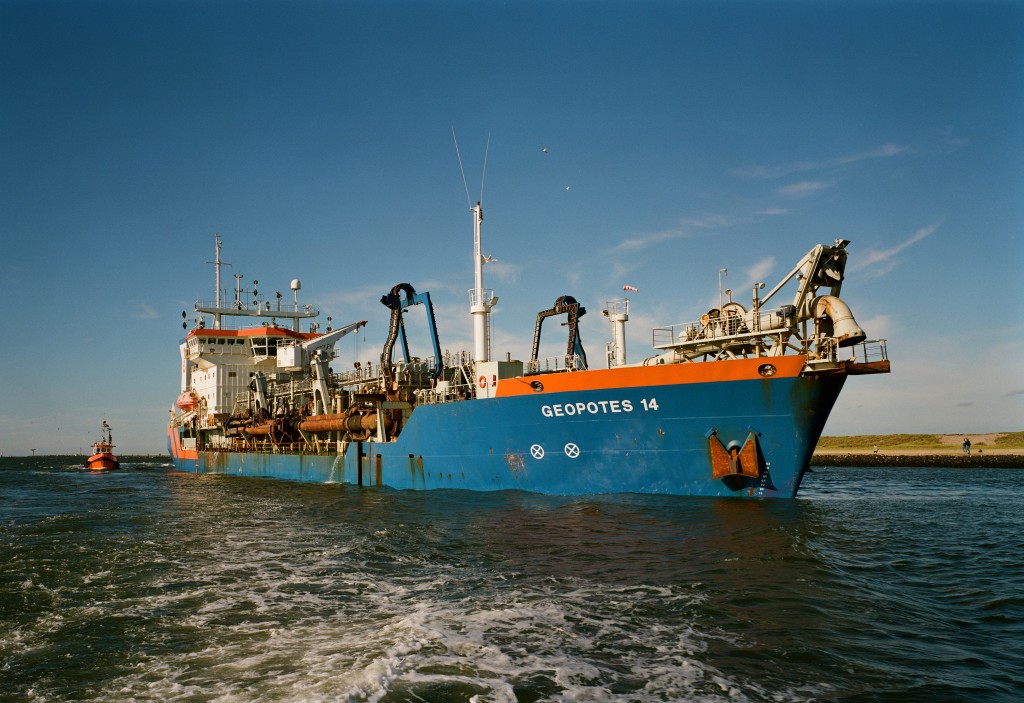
(650, 439)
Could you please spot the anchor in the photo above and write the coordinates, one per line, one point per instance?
(737, 461)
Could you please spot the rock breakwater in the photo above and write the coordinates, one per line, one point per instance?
(952, 461)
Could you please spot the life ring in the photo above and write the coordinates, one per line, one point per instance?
(482, 382)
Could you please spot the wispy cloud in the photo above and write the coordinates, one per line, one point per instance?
(750, 276)
(798, 190)
(649, 240)
(142, 311)
(504, 271)
(951, 140)
(685, 228)
(622, 271)
(884, 260)
(760, 270)
(881, 152)
(878, 326)
(771, 212)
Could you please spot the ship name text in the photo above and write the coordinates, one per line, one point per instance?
(595, 407)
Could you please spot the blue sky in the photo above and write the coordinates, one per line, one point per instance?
(682, 138)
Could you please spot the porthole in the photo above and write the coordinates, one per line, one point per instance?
(767, 370)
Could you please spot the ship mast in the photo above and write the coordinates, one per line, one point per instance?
(617, 312)
(216, 261)
(218, 310)
(481, 300)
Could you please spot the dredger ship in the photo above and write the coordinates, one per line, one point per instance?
(731, 404)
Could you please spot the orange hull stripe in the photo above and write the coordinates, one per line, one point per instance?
(176, 451)
(663, 375)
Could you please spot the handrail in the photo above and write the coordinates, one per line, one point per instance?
(555, 364)
(870, 350)
(724, 327)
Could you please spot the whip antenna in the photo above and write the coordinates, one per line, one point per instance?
(484, 174)
(465, 185)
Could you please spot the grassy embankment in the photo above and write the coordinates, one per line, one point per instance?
(994, 449)
(938, 443)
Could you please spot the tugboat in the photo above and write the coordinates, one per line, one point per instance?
(102, 458)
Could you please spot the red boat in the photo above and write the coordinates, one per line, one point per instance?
(102, 457)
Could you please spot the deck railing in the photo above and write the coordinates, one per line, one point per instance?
(555, 364)
(870, 350)
(727, 326)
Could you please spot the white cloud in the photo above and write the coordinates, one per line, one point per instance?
(951, 140)
(881, 261)
(683, 230)
(798, 190)
(649, 240)
(622, 271)
(143, 312)
(881, 152)
(758, 272)
(877, 327)
(503, 271)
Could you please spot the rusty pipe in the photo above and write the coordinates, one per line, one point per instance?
(263, 430)
(844, 328)
(342, 422)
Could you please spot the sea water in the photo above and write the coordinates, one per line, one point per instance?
(147, 584)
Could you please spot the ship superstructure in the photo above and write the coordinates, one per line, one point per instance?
(730, 404)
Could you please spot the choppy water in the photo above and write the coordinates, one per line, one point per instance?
(151, 585)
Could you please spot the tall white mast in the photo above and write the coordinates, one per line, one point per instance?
(480, 300)
(216, 318)
(216, 261)
(617, 312)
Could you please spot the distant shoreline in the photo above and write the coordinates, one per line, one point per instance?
(991, 460)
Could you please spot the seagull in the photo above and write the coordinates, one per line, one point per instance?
(545, 150)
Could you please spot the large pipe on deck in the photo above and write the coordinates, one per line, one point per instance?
(263, 430)
(844, 327)
(343, 422)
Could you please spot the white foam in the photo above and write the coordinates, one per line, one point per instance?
(262, 608)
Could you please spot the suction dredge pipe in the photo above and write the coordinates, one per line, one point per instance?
(344, 422)
(363, 422)
(844, 327)
(263, 430)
